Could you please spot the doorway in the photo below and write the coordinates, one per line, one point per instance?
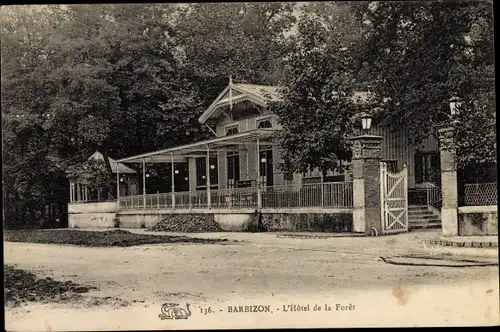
(266, 167)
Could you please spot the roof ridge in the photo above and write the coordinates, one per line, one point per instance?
(252, 84)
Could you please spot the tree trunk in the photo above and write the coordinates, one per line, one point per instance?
(104, 151)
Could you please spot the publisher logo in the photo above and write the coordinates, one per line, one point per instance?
(173, 311)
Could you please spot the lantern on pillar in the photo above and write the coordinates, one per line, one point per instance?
(366, 121)
(454, 102)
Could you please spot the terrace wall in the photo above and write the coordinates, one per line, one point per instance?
(273, 220)
(91, 215)
(478, 220)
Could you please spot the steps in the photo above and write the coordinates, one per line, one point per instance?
(422, 217)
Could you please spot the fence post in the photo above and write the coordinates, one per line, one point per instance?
(322, 194)
(207, 175)
(172, 179)
(259, 194)
(300, 196)
(405, 193)
(143, 183)
(158, 199)
(383, 184)
(427, 193)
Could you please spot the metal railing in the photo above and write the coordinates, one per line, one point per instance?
(434, 197)
(328, 195)
(237, 198)
(480, 194)
(429, 195)
(332, 195)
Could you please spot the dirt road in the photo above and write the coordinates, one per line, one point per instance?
(260, 270)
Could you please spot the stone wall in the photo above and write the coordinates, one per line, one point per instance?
(97, 207)
(103, 215)
(91, 215)
(235, 222)
(305, 222)
(91, 220)
(140, 220)
(246, 222)
(478, 220)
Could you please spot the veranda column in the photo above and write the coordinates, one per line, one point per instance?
(449, 185)
(117, 186)
(71, 191)
(259, 194)
(78, 193)
(366, 157)
(207, 174)
(143, 183)
(173, 179)
(192, 180)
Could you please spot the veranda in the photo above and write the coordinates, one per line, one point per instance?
(252, 194)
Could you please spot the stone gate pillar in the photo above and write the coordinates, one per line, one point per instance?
(449, 184)
(367, 151)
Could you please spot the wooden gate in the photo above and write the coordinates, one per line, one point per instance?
(394, 200)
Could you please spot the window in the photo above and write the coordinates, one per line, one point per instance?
(264, 124)
(201, 172)
(266, 167)
(232, 130)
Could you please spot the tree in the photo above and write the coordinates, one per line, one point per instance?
(30, 177)
(245, 40)
(80, 78)
(93, 174)
(159, 106)
(121, 79)
(317, 109)
(420, 54)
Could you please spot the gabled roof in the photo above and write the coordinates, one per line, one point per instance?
(122, 168)
(259, 94)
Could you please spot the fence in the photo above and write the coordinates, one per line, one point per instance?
(333, 194)
(328, 195)
(480, 194)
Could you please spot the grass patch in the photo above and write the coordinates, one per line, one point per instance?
(23, 286)
(113, 238)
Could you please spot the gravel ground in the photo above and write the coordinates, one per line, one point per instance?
(259, 269)
(108, 238)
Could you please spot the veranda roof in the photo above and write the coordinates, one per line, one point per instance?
(200, 149)
(122, 168)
